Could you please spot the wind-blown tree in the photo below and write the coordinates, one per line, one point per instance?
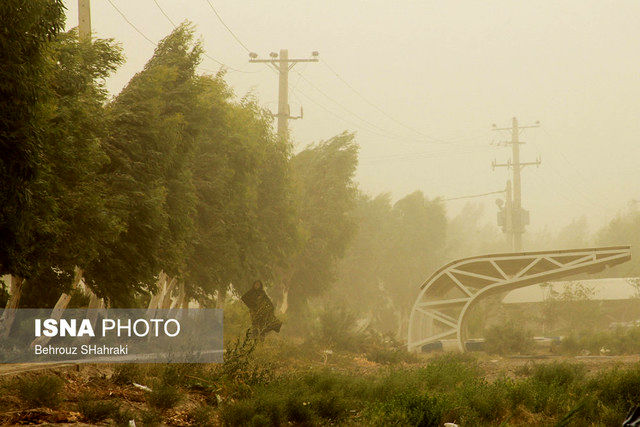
(624, 229)
(325, 198)
(154, 122)
(70, 194)
(363, 275)
(27, 28)
(395, 249)
(244, 217)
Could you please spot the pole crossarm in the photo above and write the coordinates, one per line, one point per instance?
(283, 64)
(445, 298)
(277, 61)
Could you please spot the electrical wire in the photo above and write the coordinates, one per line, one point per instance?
(389, 116)
(473, 196)
(131, 23)
(164, 13)
(124, 16)
(227, 27)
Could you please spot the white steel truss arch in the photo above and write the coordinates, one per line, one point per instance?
(446, 297)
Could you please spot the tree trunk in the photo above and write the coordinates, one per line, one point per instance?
(6, 321)
(56, 313)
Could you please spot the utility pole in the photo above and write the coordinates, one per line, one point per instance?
(84, 20)
(283, 65)
(515, 218)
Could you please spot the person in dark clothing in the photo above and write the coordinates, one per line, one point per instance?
(261, 308)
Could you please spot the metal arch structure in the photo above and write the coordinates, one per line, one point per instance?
(446, 297)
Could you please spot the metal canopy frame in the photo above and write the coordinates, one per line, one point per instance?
(446, 297)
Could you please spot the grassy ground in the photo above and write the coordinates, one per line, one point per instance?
(284, 382)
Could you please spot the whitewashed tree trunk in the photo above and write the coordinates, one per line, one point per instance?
(56, 313)
(8, 316)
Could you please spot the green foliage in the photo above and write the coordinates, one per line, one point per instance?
(562, 374)
(395, 248)
(334, 326)
(94, 411)
(508, 338)
(325, 196)
(615, 342)
(28, 27)
(244, 219)
(164, 396)
(240, 364)
(154, 125)
(125, 374)
(150, 417)
(43, 390)
(624, 229)
(123, 416)
(201, 416)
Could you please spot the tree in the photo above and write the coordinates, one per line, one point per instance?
(73, 215)
(244, 217)
(27, 28)
(395, 249)
(624, 229)
(154, 122)
(325, 197)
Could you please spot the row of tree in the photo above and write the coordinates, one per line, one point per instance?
(173, 174)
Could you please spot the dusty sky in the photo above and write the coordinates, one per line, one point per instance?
(444, 71)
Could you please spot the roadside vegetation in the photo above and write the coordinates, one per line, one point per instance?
(281, 383)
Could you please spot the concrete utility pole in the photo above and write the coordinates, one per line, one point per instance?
(283, 65)
(84, 19)
(515, 218)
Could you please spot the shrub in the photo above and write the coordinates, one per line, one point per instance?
(201, 416)
(238, 413)
(125, 374)
(560, 374)
(334, 326)
(389, 352)
(239, 363)
(43, 390)
(449, 370)
(150, 417)
(94, 411)
(617, 387)
(508, 338)
(164, 396)
(412, 409)
(122, 417)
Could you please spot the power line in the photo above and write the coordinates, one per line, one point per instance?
(424, 154)
(365, 99)
(373, 125)
(473, 196)
(131, 23)
(122, 14)
(227, 27)
(164, 13)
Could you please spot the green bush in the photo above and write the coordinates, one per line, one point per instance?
(508, 338)
(150, 417)
(125, 374)
(94, 411)
(413, 409)
(122, 417)
(44, 390)
(334, 326)
(201, 416)
(617, 341)
(619, 388)
(562, 374)
(164, 396)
